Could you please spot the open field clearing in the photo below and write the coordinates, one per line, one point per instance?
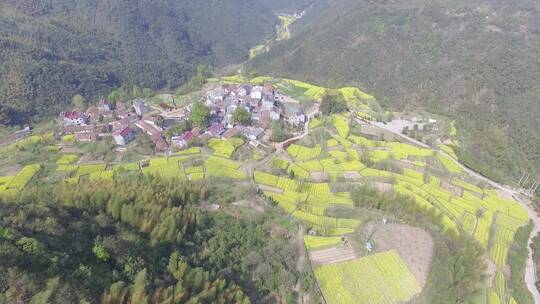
(381, 278)
(413, 244)
(331, 255)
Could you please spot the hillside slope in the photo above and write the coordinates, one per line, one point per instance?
(474, 60)
(52, 50)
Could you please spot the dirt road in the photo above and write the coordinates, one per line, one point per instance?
(530, 270)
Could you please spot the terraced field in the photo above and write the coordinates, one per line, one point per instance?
(12, 185)
(379, 279)
(224, 147)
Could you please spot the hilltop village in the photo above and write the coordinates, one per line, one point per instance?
(125, 121)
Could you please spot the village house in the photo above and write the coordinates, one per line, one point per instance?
(256, 92)
(216, 94)
(216, 130)
(230, 133)
(159, 142)
(125, 136)
(124, 122)
(295, 115)
(140, 107)
(252, 133)
(74, 118)
(121, 110)
(149, 127)
(274, 114)
(183, 140)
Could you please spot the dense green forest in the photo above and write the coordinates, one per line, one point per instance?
(141, 239)
(474, 60)
(52, 50)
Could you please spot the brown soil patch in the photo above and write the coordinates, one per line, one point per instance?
(490, 273)
(10, 171)
(457, 191)
(70, 150)
(257, 204)
(318, 176)
(271, 189)
(504, 194)
(332, 255)
(383, 187)
(352, 175)
(414, 245)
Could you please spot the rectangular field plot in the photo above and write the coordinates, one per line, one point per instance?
(224, 147)
(448, 164)
(221, 167)
(301, 153)
(313, 241)
(378, 279)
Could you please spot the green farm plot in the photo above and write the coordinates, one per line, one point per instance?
(315, 122)
(317, 242)
(67, 159)
(467, 186)
(68, 138)
(12, 185)
(222, 167)
(352, 94)
(449, 164)
(449, 150)
(301, 153)
(224, 147)
(265, 178)
(296, 170)
(382, 278)
(189, 151)
(256, 50)
(280, 163)
(29, 142)
(331, 143)
(67, 168)
(88, 169)
(493, 298)
(341, 124)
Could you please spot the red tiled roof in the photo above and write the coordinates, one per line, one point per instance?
(125, 132)
(231, 132)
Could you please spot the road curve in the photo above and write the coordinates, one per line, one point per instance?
(530, 269)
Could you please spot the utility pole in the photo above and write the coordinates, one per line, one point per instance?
(525, 181)
(522, 177)
(533, 188)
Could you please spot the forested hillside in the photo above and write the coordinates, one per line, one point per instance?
(140, 239)
(52, 50)
(474, 60)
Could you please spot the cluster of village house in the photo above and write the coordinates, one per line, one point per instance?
(125, 122)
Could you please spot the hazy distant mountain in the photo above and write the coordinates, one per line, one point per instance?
(51, 50)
